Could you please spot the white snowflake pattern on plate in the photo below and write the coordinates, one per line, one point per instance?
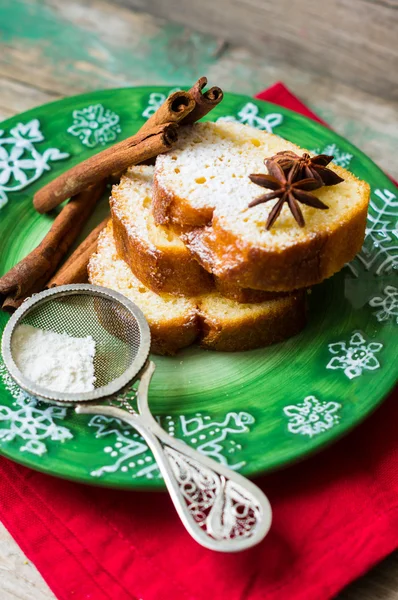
(131, 454)
(340, 157)
(95, 125)
(210, 435)
(249, 115)
(355, 356)
(387, 303)
(311, 416)
(379, 253)
(20, 162)
(30, 421)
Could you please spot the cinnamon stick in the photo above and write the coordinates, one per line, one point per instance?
(10, 305)
(204, 103)
(186, 107)
(74, 270)
(173, 110)
(155, 137)
(131, 151)
(32, 273)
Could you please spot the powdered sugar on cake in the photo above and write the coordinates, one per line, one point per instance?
(209, 167)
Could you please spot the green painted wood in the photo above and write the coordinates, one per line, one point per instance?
(55, 48)
(235, 407)
(103, 45)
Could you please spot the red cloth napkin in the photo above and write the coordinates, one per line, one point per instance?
(335, 515)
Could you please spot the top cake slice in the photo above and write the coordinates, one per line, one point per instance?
(202, 190)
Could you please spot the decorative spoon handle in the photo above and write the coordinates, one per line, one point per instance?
(221, 509)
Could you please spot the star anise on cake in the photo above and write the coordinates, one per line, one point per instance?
(288, 189)
(308, 166)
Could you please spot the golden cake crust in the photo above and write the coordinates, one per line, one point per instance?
(210, 319)
(207, 212)
(156, 255)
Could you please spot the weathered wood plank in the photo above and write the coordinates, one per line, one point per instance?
(19, 578)
(17, 97)
(5, 114)
(354, 41)
(381, 583)
(68, 48)
(104, 46)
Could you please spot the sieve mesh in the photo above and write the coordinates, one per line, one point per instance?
(115, 332)
(117, 326)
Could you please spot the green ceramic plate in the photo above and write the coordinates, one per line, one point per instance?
(254, 411)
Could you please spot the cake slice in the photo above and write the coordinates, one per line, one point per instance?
(202, 189)
(229, 326)
(155, 254)
(214, 321)
(172, 320)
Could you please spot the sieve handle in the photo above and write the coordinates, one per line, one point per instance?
(221, 509)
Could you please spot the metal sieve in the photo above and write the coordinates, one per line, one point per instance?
(118, 327)
(221, 509)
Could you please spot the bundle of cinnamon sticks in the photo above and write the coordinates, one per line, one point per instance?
(85, 184)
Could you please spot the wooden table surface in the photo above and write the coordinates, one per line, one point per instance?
(51, 49)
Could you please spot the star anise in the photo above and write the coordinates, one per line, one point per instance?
(309, 166)
(288, 189)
